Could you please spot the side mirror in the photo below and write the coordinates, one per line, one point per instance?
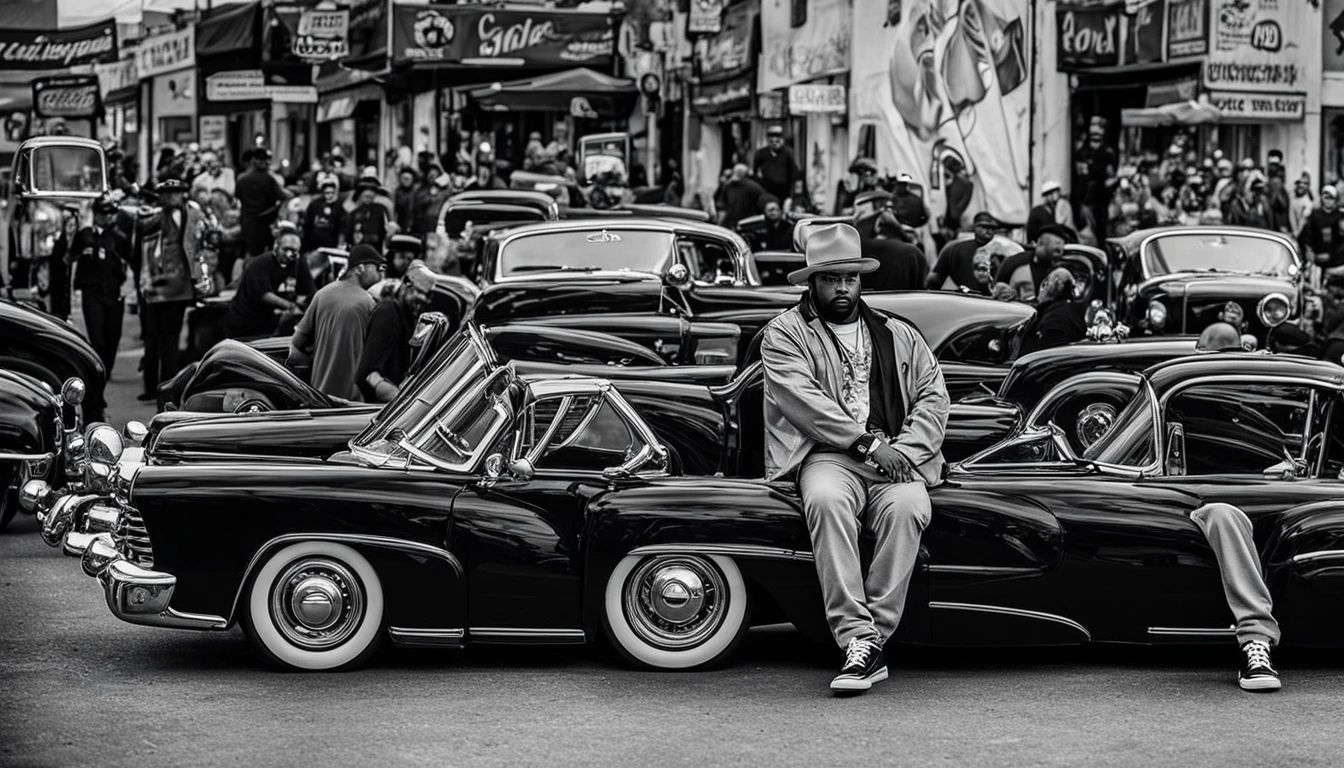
(1175, 459)
(677, 276)
(522, 469)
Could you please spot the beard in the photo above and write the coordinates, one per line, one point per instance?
(840, 309)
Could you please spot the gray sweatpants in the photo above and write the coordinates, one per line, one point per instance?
(840, 494)
(1232, 538)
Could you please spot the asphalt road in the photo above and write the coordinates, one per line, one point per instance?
(79, 687)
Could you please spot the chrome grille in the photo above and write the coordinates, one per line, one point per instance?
(132, 539)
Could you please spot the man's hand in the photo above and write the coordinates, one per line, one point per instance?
(892, 463)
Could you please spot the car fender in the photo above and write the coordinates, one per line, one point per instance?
(29, 419)
(1304, 569)
(232, 365)
(52, 351)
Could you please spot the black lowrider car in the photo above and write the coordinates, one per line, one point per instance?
(51, 351)
(546, 510)
(40, 436)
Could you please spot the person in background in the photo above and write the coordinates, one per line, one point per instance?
(1299, 210)
(331, 332)
(1094, 172)
(367, 223)
(800, 203)
(59, 264)
(1323, 233)
(909, 207)
(213, 176)
(278, 281)
(324, 221)
(401, 251)
(1250, 209)
(774, 164)
(103, 252)
(259, 197)
(559, 140)
(959, 192)
(404, 197)
(901, 265)
(1058, 320)
(387, 344)
(1043, 215)
(534, 153)
(1276, 194)
(486, 178)
(776, 233)
(741, 197)
(1024, 273)
(428, 202)
(166, 282)
(957, 259)
(862, 178)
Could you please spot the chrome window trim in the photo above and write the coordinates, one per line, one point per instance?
(1018, 612)
(986, 570)
(1320, 554)
(570, 387)
(728, 550)
(1193, 631)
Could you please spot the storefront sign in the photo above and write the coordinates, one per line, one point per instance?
(1187, 28)
(1143, 42)
(728, 52)
(1259, 107)
(1332, 27)
(498, 36)
(167, 53)
(251, 85)
(58, 49)
(817, 99)
(723, 97)
(1088, 37)
(706, 17)
(214, 133)
(175, 94)
(796, 53)
(323, 35)
(73, 96)
(118, 76)
(770, 106)
(1255, 46)
(1172, 92)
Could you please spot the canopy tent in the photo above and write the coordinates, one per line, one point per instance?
(1180, 113)
(568, 91)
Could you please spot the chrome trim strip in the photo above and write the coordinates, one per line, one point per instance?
(27, 456)
(426, 638)
(252, 458)
(1320, 554)
(986, 570)
(1019, 612)
(443, 633)
(529, 632)
(731, 550)
(1193, 631)
(387, 542)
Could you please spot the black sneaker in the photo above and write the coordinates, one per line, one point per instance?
(1258, 673)
(865, 664)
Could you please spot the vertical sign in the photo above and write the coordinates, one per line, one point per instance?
(1144, 42)
(1187, 28)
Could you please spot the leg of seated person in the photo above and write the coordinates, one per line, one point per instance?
(833, 495)
(897, 515)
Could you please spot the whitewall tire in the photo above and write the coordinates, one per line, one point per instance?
(314, 606)
(676, 611)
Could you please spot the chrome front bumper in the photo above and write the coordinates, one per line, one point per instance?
(140, 596)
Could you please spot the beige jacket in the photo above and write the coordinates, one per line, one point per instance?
(803, 380)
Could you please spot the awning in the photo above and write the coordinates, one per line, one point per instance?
(342, 105)
(568, 91)
(1180, 113)
(228, 29)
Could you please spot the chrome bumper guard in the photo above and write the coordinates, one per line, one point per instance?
(140, 596)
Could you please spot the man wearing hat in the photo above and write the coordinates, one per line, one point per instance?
(1046, 213)
(957, 259)
(1323, 233)
(324, 220)
(331, 332)
(909, 207)
(259, 199)
(367, 223)
(103, 253)
(168, 248)
(401, 251)
(275, 282)
(855, 404)
(774, 164)
(1250, 209)
(387, 344)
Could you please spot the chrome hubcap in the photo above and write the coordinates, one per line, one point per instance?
(676, 602)
(317, 603)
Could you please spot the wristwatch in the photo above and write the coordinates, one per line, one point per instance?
(863, 447)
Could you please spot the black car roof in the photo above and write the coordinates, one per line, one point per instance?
(1244, 366)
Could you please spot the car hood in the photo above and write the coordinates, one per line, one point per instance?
(302, 435)
(1207, 285)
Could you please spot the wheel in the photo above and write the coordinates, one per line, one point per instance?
(676, 611)
(315, 606)
(9, 495)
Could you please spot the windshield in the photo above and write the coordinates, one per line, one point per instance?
(1196, 252)
(67, 169)
(587, 250)
(1130, 442)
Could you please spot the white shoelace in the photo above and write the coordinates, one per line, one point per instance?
(1257, 654)
(858, 652)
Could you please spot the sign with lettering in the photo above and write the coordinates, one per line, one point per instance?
(118, 76)
(1187, 28)
(705, 18)
(1255, 45)
(237, 85)
(1088, 37)
(1259, 107)
(214, 131)
(323, 35)
(1143, 42)
(73, 96)
(722, 97)
(729, 52)
(466, 34)
(58, 49)
(797, 53)
(817, 99)
(167, 53)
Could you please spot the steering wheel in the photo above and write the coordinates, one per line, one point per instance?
(1084, 277)
(252, 405)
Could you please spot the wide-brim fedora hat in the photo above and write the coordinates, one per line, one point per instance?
(833, 248)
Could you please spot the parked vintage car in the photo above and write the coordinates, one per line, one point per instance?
(545, 510)
(1182, 279)
(53, 177)
(51, 350)
(40, 435)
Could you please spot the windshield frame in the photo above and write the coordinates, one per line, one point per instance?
(1146, 255)
(31, 189)
(1154, 433)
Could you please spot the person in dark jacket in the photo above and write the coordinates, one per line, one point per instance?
(1250, 209)
(1058, 319)
(909, 207)
(259, 198)
(103, 253)
(774, 164)
(367, 224)
(1044, 214)
(959, 193)
(168, 248)
(387, 344)
(63, 255)
(1323, 231)
(404, 199)
(902, 265)
(324, 221)
(1024, 273)
(741, 197)
(776, 233)
(428, 202)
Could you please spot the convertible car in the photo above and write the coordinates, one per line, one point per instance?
(544, 509)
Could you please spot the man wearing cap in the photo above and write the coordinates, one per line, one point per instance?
(259, 199)
(957, 259)
(387, 344)
(1323, 233)
(1249, 209)
(324, 219)
(909, 207)
(367, 223)
(168, 249)
(278, 281)
(1044, 214)
(331, 332)
(401, 251)
(856, 405)
(774, 164)
(103, 254)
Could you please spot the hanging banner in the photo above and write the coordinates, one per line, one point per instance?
(1187, 28)
(251, 85)
(802, 41)
(706, 17)
(166, 53)
(58, 49)
(1088, 36)
(214, 131)
(723, 97)
(948, 87)
(73, 96)
(118, 76)
(1143, 42)
(488, 36)
(323, 35)
(729, 52)
(1255, 45)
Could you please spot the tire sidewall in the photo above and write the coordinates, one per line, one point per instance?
(707, 654)
(278, 650)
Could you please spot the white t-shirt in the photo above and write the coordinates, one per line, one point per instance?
(856, 357)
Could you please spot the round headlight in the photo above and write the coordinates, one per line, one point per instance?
(1157, 314)
(104, 444)
(1273, 310)
(72, 391)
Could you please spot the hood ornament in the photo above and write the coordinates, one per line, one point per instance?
(604, 237)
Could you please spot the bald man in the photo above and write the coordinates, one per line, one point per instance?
(1058, 320)
(1219, 337)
